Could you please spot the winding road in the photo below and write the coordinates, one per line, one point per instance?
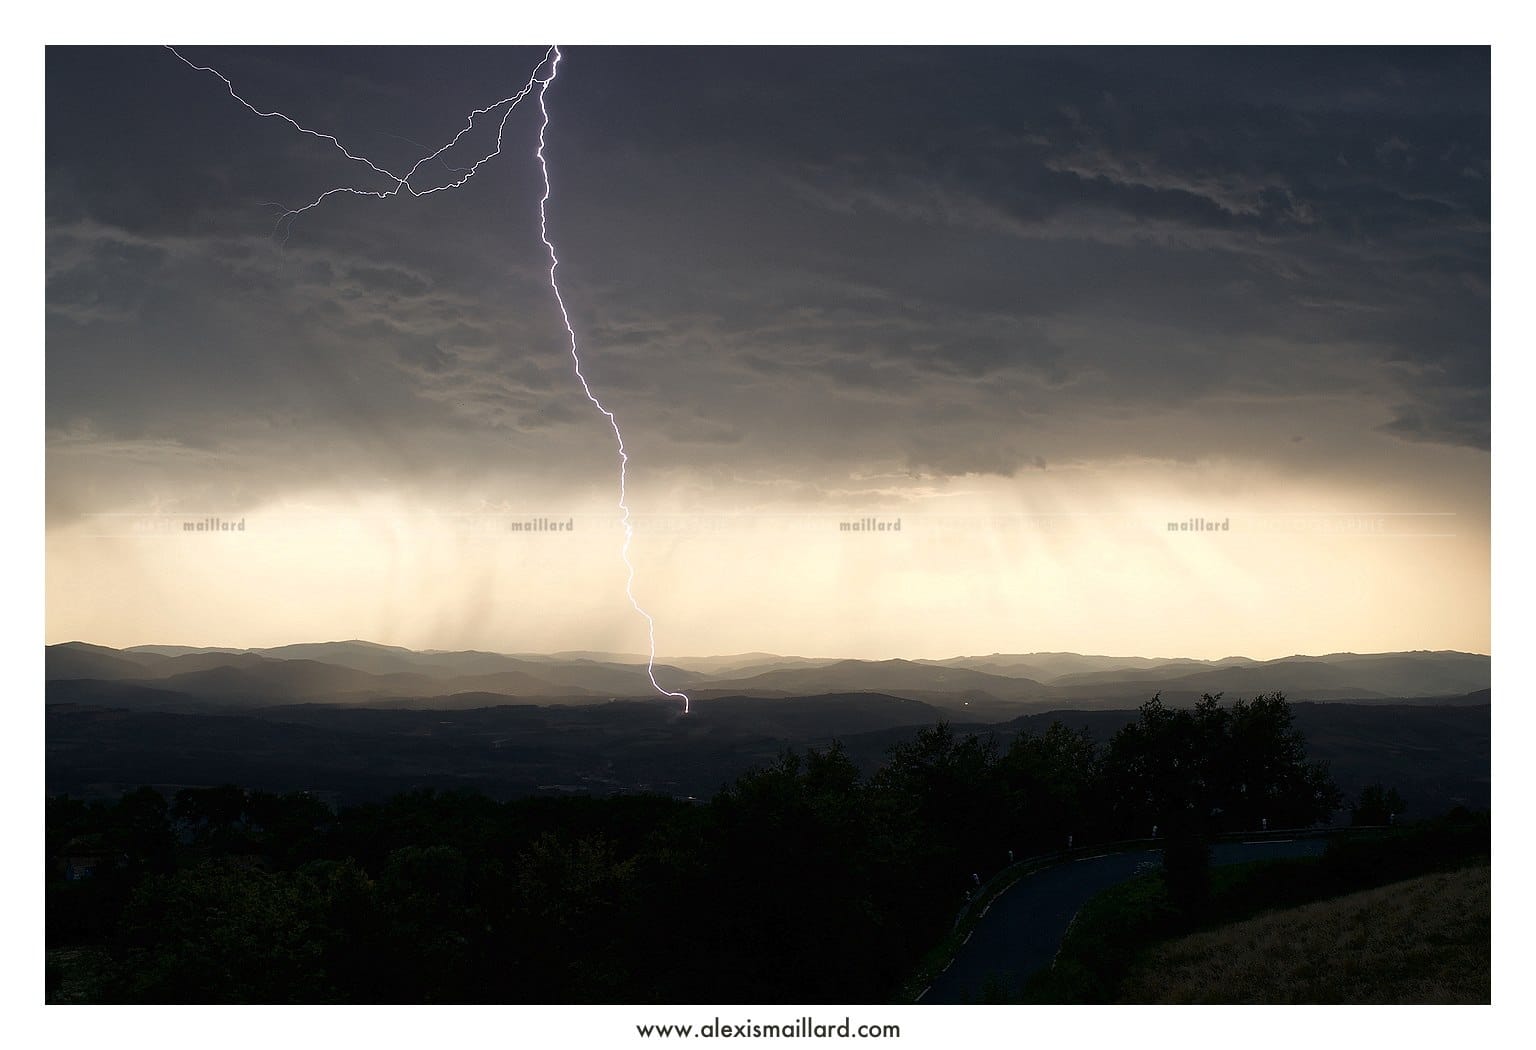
(1021, 930)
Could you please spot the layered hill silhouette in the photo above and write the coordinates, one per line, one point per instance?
(357, 720)
(999, 685)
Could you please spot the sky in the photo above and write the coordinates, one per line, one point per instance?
(1034, 305)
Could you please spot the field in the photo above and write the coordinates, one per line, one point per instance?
(1425, 940)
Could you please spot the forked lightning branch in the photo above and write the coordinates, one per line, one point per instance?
(408, 183)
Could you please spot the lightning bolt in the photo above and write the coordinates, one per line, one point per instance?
(554, 264)
(403, 184)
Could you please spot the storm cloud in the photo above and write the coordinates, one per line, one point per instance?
(806, 276)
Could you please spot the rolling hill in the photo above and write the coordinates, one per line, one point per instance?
(999, 685)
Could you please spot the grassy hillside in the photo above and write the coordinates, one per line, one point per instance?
(1425, 940)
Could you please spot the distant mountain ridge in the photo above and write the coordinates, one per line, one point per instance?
(357, 671)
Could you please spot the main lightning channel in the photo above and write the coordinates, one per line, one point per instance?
(402, 183)
(554, 264)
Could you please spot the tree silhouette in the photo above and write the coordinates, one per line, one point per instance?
(1377, 805)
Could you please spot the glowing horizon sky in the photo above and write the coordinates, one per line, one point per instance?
(1036, 304)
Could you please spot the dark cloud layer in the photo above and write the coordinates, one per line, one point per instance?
(811, 264)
